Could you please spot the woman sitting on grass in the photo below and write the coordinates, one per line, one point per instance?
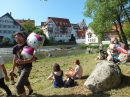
(56, 76)
(75, 73)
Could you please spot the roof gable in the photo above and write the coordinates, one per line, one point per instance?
(7, 14)
(59, 21)
(21, 22)
(81, 34)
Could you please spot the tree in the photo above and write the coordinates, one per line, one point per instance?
(52, 39)
(40, 32)
(72, 38)
(127, 30)
(28, 27)
(105, 13)
(5, 41)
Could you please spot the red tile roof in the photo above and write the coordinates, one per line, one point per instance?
(81, 34)
(58, 21)
(21, 22)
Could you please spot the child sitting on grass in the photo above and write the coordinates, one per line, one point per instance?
(56, 76)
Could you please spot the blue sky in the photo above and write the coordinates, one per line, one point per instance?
(40, 10)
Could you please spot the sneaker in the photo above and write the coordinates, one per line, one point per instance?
(30, 92)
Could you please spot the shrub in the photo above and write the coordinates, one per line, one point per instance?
(93, 46)
(5, 41)
(82, 47)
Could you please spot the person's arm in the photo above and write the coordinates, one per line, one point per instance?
(5, 72)
(14, 64)
(50, 77)
(26, 61)
(75, 72)
(71, 69)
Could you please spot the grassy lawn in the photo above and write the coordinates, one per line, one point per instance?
(43, 87)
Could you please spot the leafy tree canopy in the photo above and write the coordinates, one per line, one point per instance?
(28, 27)
(107, 12)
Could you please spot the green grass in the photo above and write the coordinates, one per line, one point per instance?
(43, 87)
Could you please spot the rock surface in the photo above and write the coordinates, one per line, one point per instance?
(124, 58)
(106, 75)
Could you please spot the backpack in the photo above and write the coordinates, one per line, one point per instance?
(115, 59)
(69, 82)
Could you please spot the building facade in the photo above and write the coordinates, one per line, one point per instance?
(90, 37)
(58, 29)
(8, 26)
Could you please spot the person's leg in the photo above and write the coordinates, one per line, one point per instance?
(5, 87)
(68, 74)
(27, 83)
(24, 94)
(23, 80)
(30, 90)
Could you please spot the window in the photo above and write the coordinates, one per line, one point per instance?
(5, 31)
(9, 26)
(105, 35)
(9, 31)
(4, 26)
(94, 40)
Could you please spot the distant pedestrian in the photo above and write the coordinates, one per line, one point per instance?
(100, 47)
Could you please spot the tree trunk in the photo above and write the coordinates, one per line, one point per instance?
(122, 32)
(118, 32)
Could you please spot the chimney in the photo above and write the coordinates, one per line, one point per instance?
(10, 13)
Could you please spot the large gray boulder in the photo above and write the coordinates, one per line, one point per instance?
(106, 75)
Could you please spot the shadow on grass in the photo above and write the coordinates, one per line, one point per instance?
(125, 82)
(85, 77)
(75, 95)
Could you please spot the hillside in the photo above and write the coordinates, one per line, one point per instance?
(43, 87)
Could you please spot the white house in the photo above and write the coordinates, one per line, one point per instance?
(8, 26)
(82, 24)
(57, 28)
(74, 29)
(90, 37)
(80, 33)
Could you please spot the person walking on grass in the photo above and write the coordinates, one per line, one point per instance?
(25, 65)
(3, 75)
